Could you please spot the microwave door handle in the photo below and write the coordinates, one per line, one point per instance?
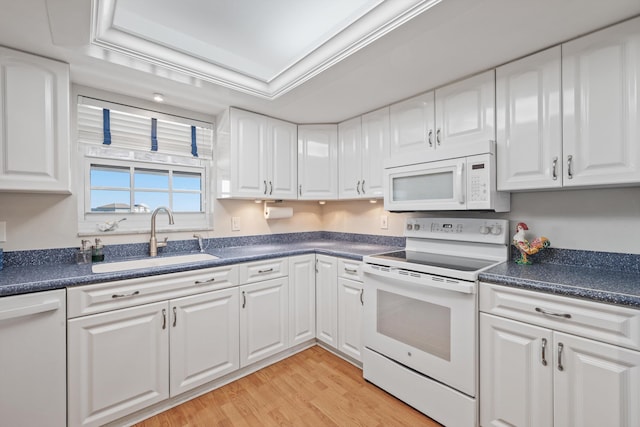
(460, 179)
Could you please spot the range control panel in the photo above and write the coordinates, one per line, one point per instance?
(463, 229)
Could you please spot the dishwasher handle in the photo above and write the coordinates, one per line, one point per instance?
(29, 310)
(421, 279)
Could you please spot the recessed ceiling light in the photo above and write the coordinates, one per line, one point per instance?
(158, 97)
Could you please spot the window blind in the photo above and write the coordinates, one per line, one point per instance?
(104, 123)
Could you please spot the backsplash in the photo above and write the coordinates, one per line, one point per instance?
(113, 252)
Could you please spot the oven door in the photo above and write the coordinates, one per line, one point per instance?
(437, 185)
(427, 323)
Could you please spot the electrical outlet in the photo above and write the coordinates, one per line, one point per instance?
(235, 223)
(384, 222)
(3, 231)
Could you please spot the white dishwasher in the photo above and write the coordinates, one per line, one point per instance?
(33, 359)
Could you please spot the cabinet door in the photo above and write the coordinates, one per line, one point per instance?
(118, 363)
(283, 163)
(326, 300)
(411, 125)
(600, 75)
(302, 299)
(248, 154)
(465, 112)
(204, 338)
(350, 302)
(350, 159)
(318, 162)
(515, 383)
(263, 319)
(33, 360)
(598, 385)
(375, 149)
(34, 123)
(529, 122)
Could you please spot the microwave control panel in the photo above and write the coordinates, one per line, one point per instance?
(478, 182)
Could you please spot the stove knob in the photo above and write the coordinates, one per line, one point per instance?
(496, 230)
(416, 227)
(409, 226)
(484, 229)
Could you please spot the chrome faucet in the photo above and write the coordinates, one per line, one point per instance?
(153, 243)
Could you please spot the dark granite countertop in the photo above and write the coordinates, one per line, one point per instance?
(16, 280)
(612, 285)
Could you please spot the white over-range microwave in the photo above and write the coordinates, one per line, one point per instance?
(451, 184)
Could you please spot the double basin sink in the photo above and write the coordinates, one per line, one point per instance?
(111, 267)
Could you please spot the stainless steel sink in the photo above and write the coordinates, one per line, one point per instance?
(111, 267)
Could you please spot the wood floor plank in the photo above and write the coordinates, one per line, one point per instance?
(312, 388)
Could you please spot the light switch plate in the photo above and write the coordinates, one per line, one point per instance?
(3, 231)
(384, 222)
(235, 223)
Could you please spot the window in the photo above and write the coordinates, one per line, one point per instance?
(134, 161)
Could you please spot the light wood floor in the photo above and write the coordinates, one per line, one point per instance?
(311, 388)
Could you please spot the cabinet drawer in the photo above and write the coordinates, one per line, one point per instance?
(98, 298)
(349, 269)
(258, 271)
(603, 322)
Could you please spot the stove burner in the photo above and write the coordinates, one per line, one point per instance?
(437, 260)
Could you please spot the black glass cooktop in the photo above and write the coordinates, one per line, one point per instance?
(436, 260)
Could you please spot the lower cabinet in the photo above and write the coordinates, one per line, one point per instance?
(302, 299)
(119, 361)
(350, 303)
(533, 375)
(263, 319)
(326, 300)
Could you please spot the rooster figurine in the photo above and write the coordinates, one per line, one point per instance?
(526, 248)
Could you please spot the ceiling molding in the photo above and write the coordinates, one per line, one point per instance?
(370, 27)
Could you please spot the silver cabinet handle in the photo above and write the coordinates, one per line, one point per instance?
(554, 169)
(201, 282)
(350, 270)
(551, 313)
(270, 187)
(268, 270)
(438, 136)
(175, 317)
(362, 186)
(544, 352)
(361, 296)
(358, 187)
(265, 187)
(560, 350)
(300, 189)
(164, 318)
(569, 160)
(244, 300)
(132, 294)
(317, 266)
(430, 137)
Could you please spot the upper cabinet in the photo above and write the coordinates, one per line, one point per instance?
(601, 100)
(568, 116)
(317, 162)
(451, 118)
(257, 157)
(529, 122)
(34, 124)
(362, 147)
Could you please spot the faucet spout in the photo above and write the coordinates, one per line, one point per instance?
(153, 242)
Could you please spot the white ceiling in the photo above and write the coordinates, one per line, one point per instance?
(453, 39)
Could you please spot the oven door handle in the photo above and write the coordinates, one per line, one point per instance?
(422, 279)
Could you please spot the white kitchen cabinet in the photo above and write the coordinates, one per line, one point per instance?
(33, 360)
(302, 299)
(257, 159)
(327, 300)
(204, 341)
(601, 106)
(350, 302)
(118, 363)
(263, 319)
(529, 122)
(535, 369)
(362, 148)
(317, 162)
(34, 124)
(412, 125)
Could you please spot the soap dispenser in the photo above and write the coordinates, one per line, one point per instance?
(97, 253)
